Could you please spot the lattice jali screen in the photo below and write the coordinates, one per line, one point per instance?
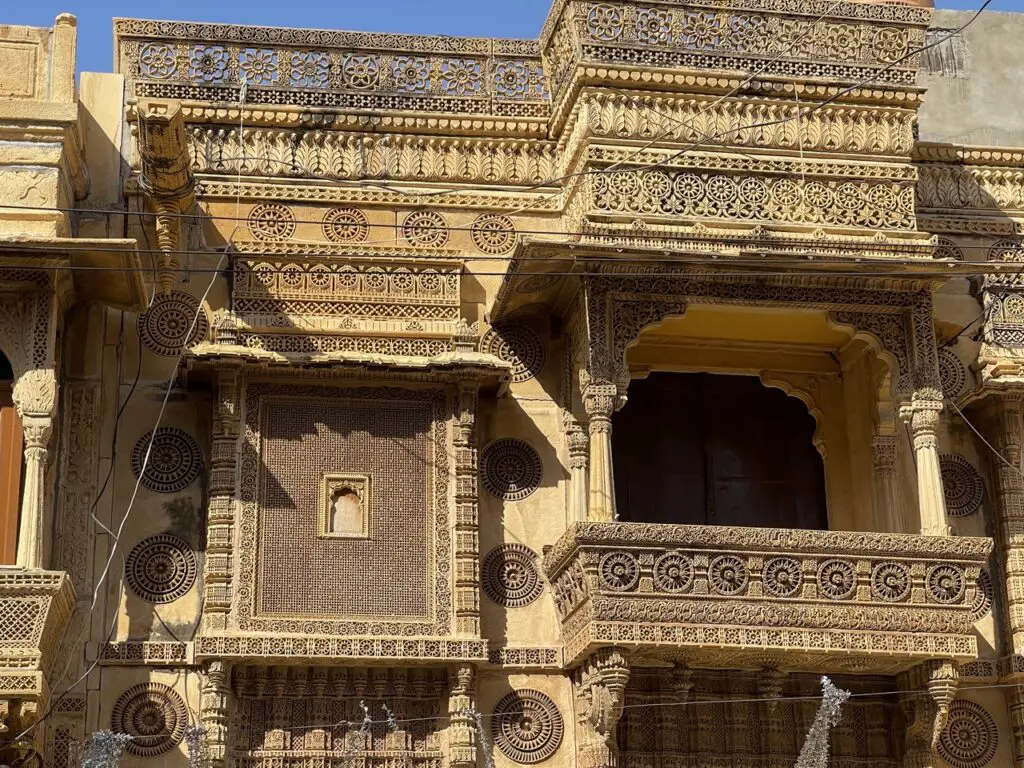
(279, 708)
(397, 581)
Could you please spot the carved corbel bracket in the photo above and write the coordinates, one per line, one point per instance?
(166, 178)
(931, 689)
(600, 689)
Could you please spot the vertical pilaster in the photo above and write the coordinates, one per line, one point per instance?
(929, 691)
(467, 536)
(1015, 705)
(579, 454)
(1001, 425)
(215, 713)
(599, 401)
(600, 690)
(887, 493)
(462, 725)
(218, 589)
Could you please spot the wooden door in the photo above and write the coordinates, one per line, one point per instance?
(717, 450)
(10, 476)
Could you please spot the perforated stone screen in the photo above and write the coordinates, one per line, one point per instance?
(387, 439)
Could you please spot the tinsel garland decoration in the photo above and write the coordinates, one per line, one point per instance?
(815, 751)
(195, 743)
(105, 749)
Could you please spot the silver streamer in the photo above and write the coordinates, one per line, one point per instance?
(815, 751)
(104, 749)
(195, 742)
(484, 738)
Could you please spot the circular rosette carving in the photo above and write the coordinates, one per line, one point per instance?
(961, 484)
(510, 575)
(494, 234)
(160, 569)
(782, 577)
(673, 572)
(946, 583)
(425, 229)
(620, 571)
(345, 225)
(516, 344)
(982, 604)
(836, 579)
(952, 374)
(153, 715)
(890, 582)
(271, 222)
(174, 322)
(728, 575)
(174, 460)
(970, 738)
(511, 469)
(527, 726)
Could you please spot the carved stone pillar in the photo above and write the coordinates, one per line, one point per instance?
(930, 690)
(462, 728)
(600, 690)
(776, 742)
(924, 425)
(466, 534)
(887, 493)
(168, 237)
(676, 737)
(1002, 424)
(35, 396)
(218, 589)
(579, 452)
(215, 711)
(599, 401)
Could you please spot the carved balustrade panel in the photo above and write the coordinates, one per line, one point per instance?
(35, 607)
(882, 601)
(382, 306)
(319, 68)
(848, 42)
(314, 717)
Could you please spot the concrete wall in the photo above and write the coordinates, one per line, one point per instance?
(974, 81)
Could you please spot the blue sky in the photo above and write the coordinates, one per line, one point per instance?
(481, 18)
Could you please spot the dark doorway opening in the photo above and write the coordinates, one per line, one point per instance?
(709, 449)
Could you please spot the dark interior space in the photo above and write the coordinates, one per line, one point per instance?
(707, 449)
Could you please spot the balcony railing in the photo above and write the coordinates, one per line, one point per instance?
(35, 607)
(797, 599)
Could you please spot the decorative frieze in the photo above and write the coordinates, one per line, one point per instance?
(319, 154)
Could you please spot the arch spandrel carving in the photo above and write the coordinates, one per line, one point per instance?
(615, 311)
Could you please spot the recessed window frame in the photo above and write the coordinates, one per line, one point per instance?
(330, 484)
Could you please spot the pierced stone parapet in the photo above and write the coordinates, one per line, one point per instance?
(890, 600)
(35, 608)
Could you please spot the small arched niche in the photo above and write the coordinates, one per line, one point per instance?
(751, 416)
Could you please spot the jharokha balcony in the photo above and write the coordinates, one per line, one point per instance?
(793, 599)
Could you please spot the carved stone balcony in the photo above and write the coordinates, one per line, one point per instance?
(797, 600)
(35, 607)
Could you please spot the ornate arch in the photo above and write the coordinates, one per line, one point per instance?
(618, 308)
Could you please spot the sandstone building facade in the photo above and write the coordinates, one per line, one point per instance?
(386, 400)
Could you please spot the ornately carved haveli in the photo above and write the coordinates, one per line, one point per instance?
(406, 402)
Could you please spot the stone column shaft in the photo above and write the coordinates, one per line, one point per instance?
(888, 499)
(31, 531)
(599, 401)
(579, 449)
(924, 423)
